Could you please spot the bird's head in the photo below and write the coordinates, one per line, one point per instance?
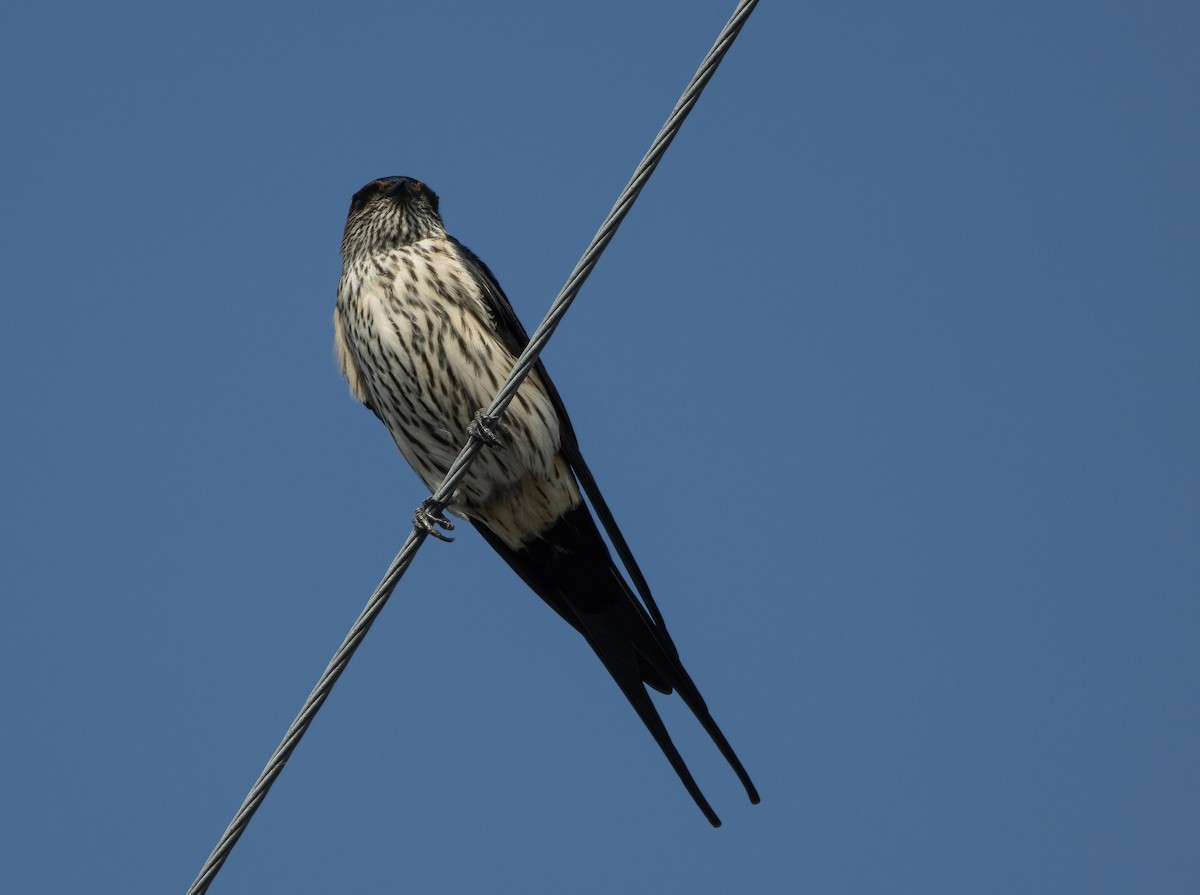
(390, 212)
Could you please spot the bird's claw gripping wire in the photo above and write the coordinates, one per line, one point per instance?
(486, 429)
(431, 515)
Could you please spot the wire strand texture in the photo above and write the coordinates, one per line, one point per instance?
(458, 469)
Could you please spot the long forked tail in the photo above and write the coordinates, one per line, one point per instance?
(570, 568)
(635, 691)
(691, 697)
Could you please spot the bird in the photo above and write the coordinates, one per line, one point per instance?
(425, 336)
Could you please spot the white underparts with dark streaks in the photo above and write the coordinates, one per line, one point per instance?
(416, 341)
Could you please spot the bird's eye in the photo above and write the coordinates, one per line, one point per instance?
(366, 194)
(430, 196)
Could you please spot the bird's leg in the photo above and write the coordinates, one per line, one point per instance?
(486, 429)
(429, 516)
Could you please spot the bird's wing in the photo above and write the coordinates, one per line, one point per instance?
(515, 338)
(568, 571)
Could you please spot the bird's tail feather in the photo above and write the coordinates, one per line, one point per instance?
(636, 693)
(570, 568)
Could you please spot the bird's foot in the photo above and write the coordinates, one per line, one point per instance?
(486, 429)
(431, 515)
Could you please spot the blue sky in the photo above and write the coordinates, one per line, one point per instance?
(891, 379)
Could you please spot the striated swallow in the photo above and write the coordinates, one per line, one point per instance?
(425, 337)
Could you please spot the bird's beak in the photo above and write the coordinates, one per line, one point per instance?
(405, 189)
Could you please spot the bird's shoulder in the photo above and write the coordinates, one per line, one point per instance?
(491, 296)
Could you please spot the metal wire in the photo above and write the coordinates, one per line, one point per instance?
(458, 469)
